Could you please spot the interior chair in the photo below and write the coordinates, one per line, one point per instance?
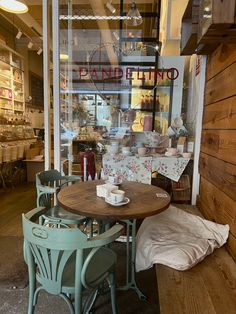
(48, 184)
(63, 261)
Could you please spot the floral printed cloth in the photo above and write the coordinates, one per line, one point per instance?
(170, 167)
(137, 168)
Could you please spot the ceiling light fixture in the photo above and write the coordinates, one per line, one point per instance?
(19, 34)
(13, 6)
(30, 44)
(39, 51)
(134, 17)
(110, 7)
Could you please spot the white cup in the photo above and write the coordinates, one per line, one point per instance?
(113, 150)
(126, 150)
(117, 196)
(115, 143)
(113, 180)
(142, 151)
(171, 150)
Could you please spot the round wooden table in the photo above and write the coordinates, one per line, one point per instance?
(81, 198)
(145, 200)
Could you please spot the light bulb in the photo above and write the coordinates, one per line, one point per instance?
(64, 56)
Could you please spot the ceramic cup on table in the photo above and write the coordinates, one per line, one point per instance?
(187, 155)
(113, 149)
(113, 180)
(115, 144)
(126, 150)
(172, 151)
(142, 151)
(117, 196)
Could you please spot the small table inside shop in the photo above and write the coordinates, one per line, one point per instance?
(145, 200)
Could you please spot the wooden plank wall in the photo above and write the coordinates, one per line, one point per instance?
(217, 200)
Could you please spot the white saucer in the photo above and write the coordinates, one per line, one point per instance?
(118, 183)
(124, 202)
(177, 155)
(146, 155)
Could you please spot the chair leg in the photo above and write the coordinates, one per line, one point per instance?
(90, 302)
(31, 297)
(112, 284)
(32, 287)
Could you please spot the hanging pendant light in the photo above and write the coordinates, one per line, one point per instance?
(13, 6)
(134, 17)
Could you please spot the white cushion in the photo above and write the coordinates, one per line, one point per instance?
(177, 239)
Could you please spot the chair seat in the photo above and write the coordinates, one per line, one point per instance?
(58, 212)
(100, 265)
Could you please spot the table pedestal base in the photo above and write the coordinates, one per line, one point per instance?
(130, 259)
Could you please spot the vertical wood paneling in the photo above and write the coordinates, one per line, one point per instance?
(217, 199)
(220, 173)
(220, 59)
(218, 205)
(220, 144)
(220, 115)
(221, 86)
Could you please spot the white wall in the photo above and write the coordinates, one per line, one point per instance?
(32, 62)
(196, 87)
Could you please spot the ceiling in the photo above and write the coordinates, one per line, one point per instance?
(172, 10)
(31, 22)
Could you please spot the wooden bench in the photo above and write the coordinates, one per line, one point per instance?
(209, 287)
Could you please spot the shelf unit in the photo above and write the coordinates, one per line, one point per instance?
(153, 97)
(12, 95)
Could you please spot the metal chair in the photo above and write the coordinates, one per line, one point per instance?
(48, 184)
(64, 262)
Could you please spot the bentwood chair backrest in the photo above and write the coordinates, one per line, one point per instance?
(48, 184)
(55, 255)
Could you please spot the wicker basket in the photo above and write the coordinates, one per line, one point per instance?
(20, 151)
(6, 154)
(13, 152)
(181, 190)
(0, 154)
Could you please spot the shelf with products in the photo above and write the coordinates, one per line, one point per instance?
(156, 102)
(11, 80)
(14, 127)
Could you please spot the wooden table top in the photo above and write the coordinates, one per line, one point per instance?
(81, 198)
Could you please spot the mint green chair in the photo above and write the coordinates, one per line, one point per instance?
(64, 262)
(48, 184)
